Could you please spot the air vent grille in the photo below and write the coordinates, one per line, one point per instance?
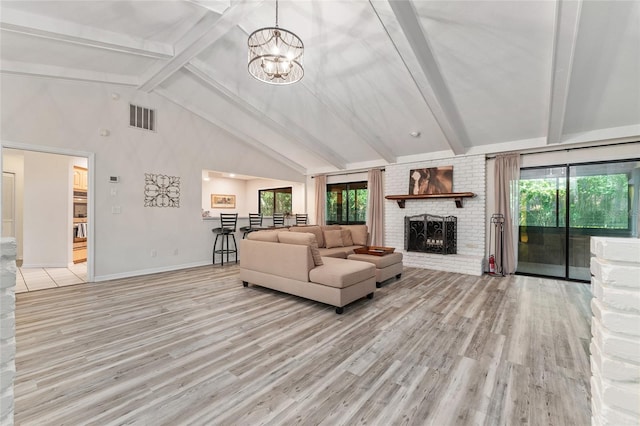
(142, 118)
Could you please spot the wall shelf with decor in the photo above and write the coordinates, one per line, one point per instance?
(457, 197)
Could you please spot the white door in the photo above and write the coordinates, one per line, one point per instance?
(8, 204)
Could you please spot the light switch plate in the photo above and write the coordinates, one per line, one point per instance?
(115, 209)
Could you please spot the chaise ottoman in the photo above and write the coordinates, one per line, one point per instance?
(387, 266)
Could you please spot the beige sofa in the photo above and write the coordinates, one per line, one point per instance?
(337, 240)
(284, 261)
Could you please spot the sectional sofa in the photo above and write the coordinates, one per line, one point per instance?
(291, 261)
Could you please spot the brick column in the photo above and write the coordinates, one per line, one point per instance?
(7, 328)
(615, 329)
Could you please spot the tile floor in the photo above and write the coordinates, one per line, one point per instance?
(31, 279)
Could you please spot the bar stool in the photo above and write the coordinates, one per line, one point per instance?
(278, 219)
(228, 223)
(301, 219)
(255, 224)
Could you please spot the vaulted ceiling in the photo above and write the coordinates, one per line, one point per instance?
(470, 77)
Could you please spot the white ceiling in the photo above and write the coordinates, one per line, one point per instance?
(471, 76)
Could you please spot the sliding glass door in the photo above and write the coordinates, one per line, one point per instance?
(562, 207)
(542, 244)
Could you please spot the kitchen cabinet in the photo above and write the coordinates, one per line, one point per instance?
(79, 252)
(80, 179)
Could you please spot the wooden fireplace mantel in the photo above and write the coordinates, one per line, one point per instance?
(457, 197)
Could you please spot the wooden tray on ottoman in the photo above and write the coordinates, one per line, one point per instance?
(374, 250)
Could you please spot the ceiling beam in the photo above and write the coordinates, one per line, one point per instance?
(281, 123)
(71, 32)
(210, 29)
(413, 47)
(217, 6)
(242, 137)
(566, 36)
(51, 71)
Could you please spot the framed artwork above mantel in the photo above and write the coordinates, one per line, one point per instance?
(223, 201)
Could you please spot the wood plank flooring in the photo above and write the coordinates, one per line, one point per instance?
(194, 347)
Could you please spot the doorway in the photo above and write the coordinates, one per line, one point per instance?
(39, 183)
(562, 207)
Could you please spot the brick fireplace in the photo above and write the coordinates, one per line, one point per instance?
(468, 175)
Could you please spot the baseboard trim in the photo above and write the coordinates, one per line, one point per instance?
(140, 272)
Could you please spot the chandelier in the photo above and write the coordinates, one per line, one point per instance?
(275, 55)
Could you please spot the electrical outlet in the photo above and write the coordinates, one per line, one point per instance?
(175, 252)
(154, 253)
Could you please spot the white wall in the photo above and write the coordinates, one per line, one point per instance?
(468, 176)
(70, 115)
(225, 186)
(47, 215)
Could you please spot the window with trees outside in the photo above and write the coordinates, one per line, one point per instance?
(561, 207)
(347, 203)
(275, 200)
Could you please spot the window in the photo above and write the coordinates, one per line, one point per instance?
(600, 196)
(275, 200)
(347, 203)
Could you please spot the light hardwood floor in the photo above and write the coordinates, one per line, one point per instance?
(195, 347)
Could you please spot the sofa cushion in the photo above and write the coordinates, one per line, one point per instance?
(338, 252)
(333, 239)
(269, 236)
(346, 237)
(314, 229)
(305, 239)
(341, 273)
(379, 261)
(359, 234)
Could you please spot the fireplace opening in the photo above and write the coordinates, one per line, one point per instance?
(428, 233)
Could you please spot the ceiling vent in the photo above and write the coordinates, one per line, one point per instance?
(142, 118)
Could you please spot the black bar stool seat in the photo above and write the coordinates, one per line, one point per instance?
(227, 228)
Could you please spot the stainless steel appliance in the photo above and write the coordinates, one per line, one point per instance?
(79, 204)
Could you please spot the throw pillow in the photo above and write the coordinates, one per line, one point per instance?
(268, 236)
(303, 239)
(359, 234)
(333, 238)
(346, 237)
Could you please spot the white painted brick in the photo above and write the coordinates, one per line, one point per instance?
(615, 327)
(7, 328)
(621, 395)
(468, 175)
(622, 298)
(621, 346)
(613, 368)
(7, 352)
(616, 321)
(616, 273)
(8, 301)
(617, 249)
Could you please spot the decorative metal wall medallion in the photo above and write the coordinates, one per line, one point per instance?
(161, 190)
